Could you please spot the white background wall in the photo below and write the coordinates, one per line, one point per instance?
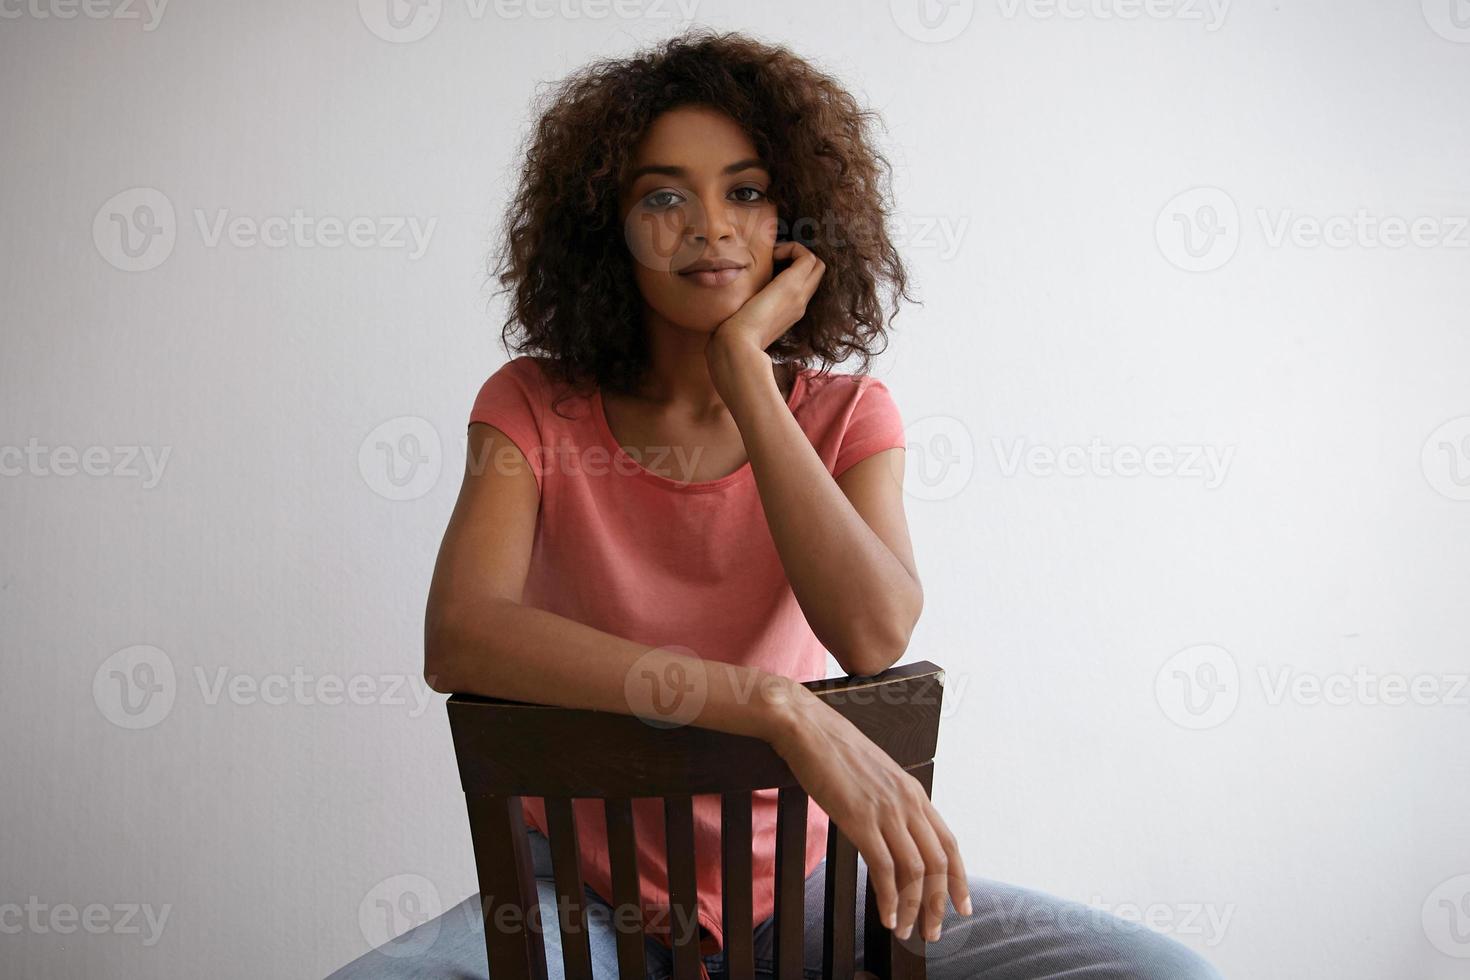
(1070, 296)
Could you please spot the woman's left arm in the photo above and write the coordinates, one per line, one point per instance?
(844, 542)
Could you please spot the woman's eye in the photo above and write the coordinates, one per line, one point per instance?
(653, 199)
(665, 199)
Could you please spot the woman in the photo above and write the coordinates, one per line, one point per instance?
(667, 503)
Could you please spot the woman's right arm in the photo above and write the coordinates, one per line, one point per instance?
(480, 639)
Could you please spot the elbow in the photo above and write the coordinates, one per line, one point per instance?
(456, 657)
(436, 674)
(436, 680)
(877, 648)
(881, 641)
(438, 664)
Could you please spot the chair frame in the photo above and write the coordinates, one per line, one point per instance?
(621, 757)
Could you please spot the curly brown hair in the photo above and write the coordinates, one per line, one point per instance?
(564, 259)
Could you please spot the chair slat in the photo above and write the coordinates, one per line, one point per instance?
(566, 864)
(683, 896)
(788, 946)
(513, 943)
(876, 958)
(622, 850)
(624, 759)
(839, 912)
(736, 880)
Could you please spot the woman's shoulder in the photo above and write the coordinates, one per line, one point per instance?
(838, 393)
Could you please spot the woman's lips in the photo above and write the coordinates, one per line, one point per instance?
(713, 277)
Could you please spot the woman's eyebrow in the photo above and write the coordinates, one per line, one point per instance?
(671, 171)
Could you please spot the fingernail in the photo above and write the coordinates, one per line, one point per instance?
(907, 931)
(968, 909)
(889, 919)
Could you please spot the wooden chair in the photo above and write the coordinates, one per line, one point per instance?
(510, 749)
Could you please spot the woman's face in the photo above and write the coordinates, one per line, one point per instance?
(695, 192)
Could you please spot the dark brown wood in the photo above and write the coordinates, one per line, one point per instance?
(908, 954)
(566, 864)
(736, 884)
(884, 955)
(898, 710)
(627, 892)
(877, 939)
(683, 901)
(839, 911)
(508, 900)
(788, 949)
(507, 750)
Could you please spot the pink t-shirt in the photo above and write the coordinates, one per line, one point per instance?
(665, 561)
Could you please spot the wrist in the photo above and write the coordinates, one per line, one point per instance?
(731, 360)
(786, 706)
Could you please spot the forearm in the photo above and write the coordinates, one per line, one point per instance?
(500, 648)
(860, 600)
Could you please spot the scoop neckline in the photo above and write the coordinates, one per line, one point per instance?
(699, 486)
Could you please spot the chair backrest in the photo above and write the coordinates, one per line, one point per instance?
(509, 749)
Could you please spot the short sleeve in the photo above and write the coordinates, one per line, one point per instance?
(510, 401)
(873, 426)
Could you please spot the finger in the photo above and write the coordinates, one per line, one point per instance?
(935, 881)
(813, 276)
(908, 875)
(879, 860)
(796, 251)
(959, 880)
(787, 250)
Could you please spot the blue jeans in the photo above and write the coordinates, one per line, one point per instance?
(1015, 934)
